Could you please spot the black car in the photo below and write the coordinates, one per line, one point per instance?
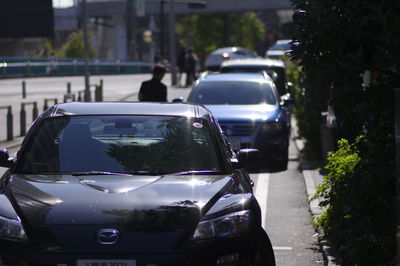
(129, 184)
(275, 68)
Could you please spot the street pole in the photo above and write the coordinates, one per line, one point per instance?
(162, 2)
(86, 97)
(172, 42)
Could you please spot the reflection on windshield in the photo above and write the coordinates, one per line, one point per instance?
(114, 144)
(233, 93)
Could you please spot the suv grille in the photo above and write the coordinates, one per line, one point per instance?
(238, 128)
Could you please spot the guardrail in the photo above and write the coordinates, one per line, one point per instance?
(68, 97)
(70, 68)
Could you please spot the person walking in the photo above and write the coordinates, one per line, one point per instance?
(181, 63)
(154, 90)
(191, 67)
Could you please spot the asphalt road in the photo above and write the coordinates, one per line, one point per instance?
(282, 196)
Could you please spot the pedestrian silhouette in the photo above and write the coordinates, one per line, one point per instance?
(191, 67)
(154, 90)
(181, 63)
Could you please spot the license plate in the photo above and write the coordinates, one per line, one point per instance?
(106, 263)
(235, 144)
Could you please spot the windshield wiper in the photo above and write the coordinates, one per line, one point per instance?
(196, 172)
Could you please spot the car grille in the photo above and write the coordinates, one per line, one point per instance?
(43, 233)
(238, 128)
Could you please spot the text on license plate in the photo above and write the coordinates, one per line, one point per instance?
(106, 263)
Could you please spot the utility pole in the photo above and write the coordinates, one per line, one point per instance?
(129, 26)
(87, 96)
(172, 42)
(162, 2)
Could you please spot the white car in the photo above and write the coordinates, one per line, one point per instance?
(215, 59)
(278, 49)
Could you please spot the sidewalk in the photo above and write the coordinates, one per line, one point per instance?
(312, 178)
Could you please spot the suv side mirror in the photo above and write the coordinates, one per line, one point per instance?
(287, 100)
(290, 88)
(5, 159)
(248, 158)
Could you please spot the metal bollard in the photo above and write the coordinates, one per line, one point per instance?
(98, 93)
(55, 100)
(22, 120)
(45, 105)
(35, 111)
(69, 88)
(10, 131)
(23, 89)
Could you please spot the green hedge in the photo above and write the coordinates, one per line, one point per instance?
(358, 218)
(343, 44)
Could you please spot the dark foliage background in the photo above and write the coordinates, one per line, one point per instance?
(342, 45)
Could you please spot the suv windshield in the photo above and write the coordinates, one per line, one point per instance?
(238, 92)
(121, 144)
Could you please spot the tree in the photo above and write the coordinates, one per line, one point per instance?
(340, 43)
(208, 32)
(251, 29)
(74, 47)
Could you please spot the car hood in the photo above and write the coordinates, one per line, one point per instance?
(261, 112)
(115, 199)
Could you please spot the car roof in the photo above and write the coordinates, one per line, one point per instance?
(228, 50)
(253, 62)
(239, 77)
(128, 108)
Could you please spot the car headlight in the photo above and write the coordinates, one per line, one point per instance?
(224, 226)
(12, 229)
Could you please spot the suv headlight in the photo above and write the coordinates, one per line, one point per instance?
(12, 229)
(224, 226)
(272, 126)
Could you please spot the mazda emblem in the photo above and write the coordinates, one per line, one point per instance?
(107, 236)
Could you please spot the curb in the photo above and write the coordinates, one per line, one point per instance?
(330, 255)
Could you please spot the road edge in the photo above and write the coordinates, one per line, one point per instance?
(330, 254)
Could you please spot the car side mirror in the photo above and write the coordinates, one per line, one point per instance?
(178, 100)
(5, 159)
(248, 158)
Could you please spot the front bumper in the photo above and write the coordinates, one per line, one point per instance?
(238, 251)
(271, 146)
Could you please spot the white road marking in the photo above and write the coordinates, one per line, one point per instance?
(261, 193)
(282, 248)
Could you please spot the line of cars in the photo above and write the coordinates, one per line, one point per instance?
(139, 184)
(251, 99)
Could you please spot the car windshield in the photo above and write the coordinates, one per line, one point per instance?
(238, 92)
(150, 145)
